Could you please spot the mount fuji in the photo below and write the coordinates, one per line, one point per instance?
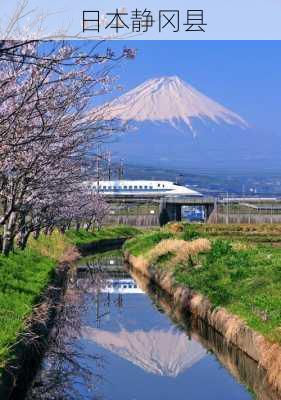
(164, 353)
(175, 125)
(170, 100)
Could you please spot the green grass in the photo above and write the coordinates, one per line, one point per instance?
(247, 282)
(239, 273)
(84, 237)
(52, 246)
(142, 243)
(146, 241)
(23, 277)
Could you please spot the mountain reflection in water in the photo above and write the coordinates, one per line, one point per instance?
(116, 342)
(164, 353)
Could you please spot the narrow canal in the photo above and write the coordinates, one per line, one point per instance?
(119, 338)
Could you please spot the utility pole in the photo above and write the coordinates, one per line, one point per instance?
(121, 170)
(98, 173)
(178, 179)
(109, 165)
(98, 168)
(227, 208)
(98, 319)
(216, 207)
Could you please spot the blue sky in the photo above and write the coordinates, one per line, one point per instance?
(242, 75)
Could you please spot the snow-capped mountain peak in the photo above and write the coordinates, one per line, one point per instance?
(165, 353)
(170, 100)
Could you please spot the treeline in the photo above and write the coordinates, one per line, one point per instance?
(47, 126)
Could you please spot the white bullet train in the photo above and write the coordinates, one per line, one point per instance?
(121, 286)
(142, 188)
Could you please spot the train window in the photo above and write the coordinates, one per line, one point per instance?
(109, 187)
(125, 187)
(135, 187)
(140, 187)
(163, 186)
(104, 187)
(130, 187)
(146, 187)
(159, 185)
(150, 187)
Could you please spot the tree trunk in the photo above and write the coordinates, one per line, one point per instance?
(88, 225)
(50, 230)
(63, 229)
(36, 234)
(8, 236)
(24, 239)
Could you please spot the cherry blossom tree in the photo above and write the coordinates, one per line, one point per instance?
(45, 133)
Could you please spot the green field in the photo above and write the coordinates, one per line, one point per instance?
(241, 271)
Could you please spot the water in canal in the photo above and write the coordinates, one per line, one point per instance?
(120, 339)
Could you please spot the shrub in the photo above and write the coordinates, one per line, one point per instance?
(220, 248)
(175, 227)
(190, 233)
(181, 249)
(143, 243)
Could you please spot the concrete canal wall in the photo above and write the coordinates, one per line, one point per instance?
(245, 370)
(33, 342)
(233, 329)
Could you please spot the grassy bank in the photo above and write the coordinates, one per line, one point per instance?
(24, 275)
(238, 273)
(83, 237)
